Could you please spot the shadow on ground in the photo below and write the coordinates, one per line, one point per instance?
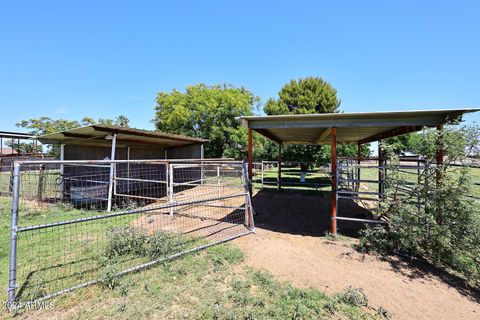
(304, 212)
(307, 213)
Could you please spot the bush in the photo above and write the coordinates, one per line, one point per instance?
(354, 297)
(161, 244)
(445, 232)
(125, 240)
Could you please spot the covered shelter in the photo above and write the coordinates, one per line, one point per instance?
(111, 142)
(100, 141)
(352, 128)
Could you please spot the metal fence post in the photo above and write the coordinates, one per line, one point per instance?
(12, 278)
(248, 205)
(170, 187)
(218, 182)
(263, 172)
(112, 174)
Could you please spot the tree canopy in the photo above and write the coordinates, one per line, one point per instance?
(305, 96)
(46, 125)
(208, 112)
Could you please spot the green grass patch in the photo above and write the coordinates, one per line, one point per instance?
(206, 285)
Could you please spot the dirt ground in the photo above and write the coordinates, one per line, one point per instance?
(289, 244)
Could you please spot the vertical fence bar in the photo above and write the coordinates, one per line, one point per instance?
(279, 178)
(128, 169)
(381, 173)
(62, 171)
(170, 185)
(359, 161)
(427, 205)
(333, 208)
(12, 275)
(250, 160)
(112, 172)
(41, 183)
(218, 181)
(248, 206)
(263, 172)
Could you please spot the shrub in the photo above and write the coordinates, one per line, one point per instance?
(445, 232)
(109, 278)
(354, 297)
(161, 244)
(125, 240)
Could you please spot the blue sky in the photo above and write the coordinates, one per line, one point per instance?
(69, 59)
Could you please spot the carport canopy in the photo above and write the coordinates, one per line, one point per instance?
(333, 128)
(362, 127)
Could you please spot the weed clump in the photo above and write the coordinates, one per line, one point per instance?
(353, 296)
(124, 241)
(133, 241)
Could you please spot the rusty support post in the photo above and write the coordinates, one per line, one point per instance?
(250, 161)
(279, 184)
(333, 208)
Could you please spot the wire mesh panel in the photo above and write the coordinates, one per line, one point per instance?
(65, 235)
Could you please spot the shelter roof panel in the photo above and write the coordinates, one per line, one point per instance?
(351, 127)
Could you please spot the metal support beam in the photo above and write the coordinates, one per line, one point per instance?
(333, 208)
(323, 136)
(279, 184)
(391, 133)
(112, 173)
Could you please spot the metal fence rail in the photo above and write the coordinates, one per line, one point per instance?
(74, 223)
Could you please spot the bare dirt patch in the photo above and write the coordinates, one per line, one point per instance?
(288, 244)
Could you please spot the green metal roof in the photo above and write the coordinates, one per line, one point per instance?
(361, 127)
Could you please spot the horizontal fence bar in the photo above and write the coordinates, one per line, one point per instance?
(136, 196)
(361, 220)
(157, 161)
(140, 180)
(355, 180)
(85, 180)
(358, 192)
(358, 198)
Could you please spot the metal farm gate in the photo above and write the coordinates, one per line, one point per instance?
(72, 220)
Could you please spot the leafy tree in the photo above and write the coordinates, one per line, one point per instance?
(306, 96)
(403, 143)
(46, 125)
(208, 112)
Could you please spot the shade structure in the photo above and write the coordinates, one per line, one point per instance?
(361, 127)
(358, 128)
